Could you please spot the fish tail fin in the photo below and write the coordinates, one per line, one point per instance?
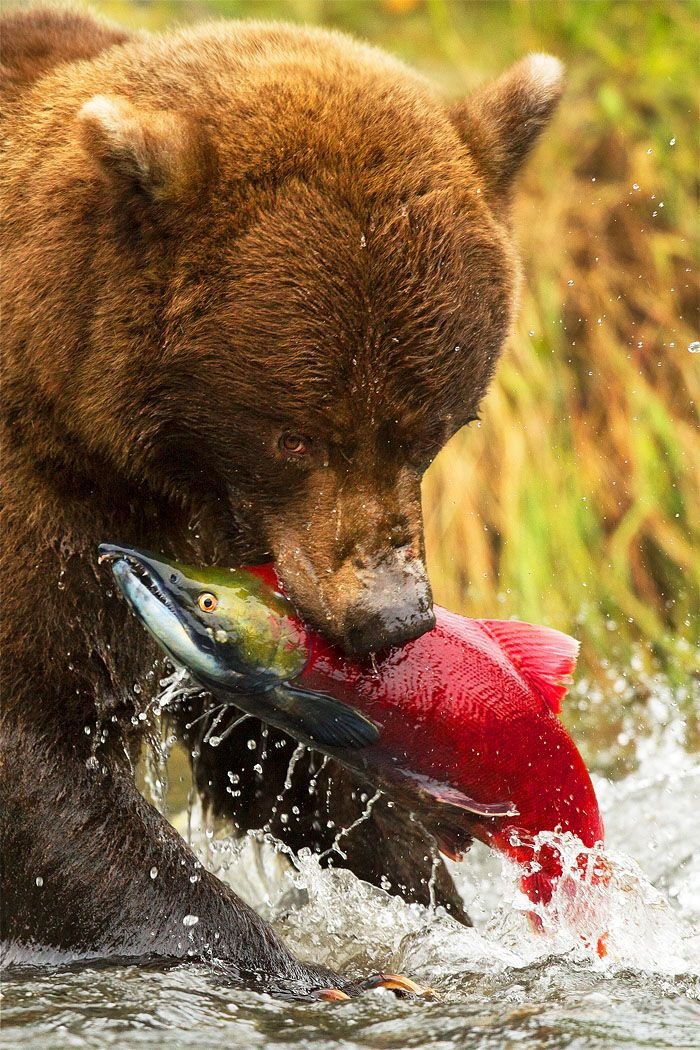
(545, 657)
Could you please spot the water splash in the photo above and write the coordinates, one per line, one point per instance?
(639, 916)
(346, 922)
(174, 689)
(603, 910)
(297, 754)
(344, 832)
(639, 919)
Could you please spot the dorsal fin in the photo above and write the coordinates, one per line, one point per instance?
(546, 658)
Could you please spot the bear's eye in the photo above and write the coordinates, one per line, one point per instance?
(207, 602)
(295, 444)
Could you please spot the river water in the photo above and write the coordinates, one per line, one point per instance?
(502, 984)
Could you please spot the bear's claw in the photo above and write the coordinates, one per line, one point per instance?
(395, 982)
(333, 995)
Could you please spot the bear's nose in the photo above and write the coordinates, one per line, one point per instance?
(387, 629)
(394, 605)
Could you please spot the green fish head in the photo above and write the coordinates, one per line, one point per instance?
(226, 626)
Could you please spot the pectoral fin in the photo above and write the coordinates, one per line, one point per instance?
(320, 718)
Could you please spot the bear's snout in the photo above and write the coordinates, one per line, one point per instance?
(394, 605)
(367, 603)
(353, 563)
(394, 626)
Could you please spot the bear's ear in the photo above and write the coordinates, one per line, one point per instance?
(154, 155)
(501, 122)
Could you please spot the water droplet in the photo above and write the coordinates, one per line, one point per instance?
(672, 142)
(137, 687)
(190, 920)
(694, 347)
(252, 745)
(154, 872)
(214, 741)
(570, 283)
(531, 333)
(39, 881)
(363, 241)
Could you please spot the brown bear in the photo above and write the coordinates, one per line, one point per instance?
(254, 277)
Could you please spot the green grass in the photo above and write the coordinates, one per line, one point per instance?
(576, 502)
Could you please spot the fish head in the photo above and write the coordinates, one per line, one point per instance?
(227, 627)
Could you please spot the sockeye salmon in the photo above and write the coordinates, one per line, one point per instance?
(459, 726)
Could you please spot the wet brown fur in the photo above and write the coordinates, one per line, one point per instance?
(211, 238)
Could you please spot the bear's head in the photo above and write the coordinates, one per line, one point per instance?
(310, 279)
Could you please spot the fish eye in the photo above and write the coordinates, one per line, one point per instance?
(207, 601)
(294, 444)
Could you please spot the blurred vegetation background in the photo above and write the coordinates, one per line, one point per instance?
(576, 502)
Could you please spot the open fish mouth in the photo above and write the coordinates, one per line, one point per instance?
(147, 583)
(126, 562)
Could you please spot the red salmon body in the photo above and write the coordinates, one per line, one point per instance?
(469, 709)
